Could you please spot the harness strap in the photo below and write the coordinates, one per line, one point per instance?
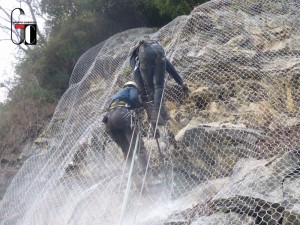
(114, 104)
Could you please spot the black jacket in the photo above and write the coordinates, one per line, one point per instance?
(169, 67)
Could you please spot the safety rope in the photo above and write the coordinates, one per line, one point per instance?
(125, 201)
(160, 105)
(148, 162)
(128, 186)
(124, 166)
(155, 130)
(143, 184)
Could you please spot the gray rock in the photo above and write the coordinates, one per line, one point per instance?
(224, 219)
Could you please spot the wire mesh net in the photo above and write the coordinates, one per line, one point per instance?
(229, 155)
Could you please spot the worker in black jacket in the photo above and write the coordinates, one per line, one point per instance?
(149, 64)
(119, 122)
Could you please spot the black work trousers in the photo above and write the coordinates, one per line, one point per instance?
(118, 127)
(152, 69)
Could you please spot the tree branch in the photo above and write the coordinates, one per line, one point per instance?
(1, 17)
(3, 10)
(24, 49)
(4, 27)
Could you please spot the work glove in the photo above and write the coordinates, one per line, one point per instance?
(185, 88)
(144, 98)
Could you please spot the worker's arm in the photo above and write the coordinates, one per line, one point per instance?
(134, 98)
(172, 71)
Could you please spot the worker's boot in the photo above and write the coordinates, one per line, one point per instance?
(157, 119)
(164, 112)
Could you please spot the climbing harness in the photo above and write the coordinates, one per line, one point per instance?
(117, 103)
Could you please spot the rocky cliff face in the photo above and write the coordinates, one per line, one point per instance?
(243, 69)
(230, 152)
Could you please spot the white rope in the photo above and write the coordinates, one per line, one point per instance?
(125, 164)
(125, 201)
(160, 104)
(142, 188)
(141, 192)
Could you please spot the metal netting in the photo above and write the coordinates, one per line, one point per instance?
(229, 155)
